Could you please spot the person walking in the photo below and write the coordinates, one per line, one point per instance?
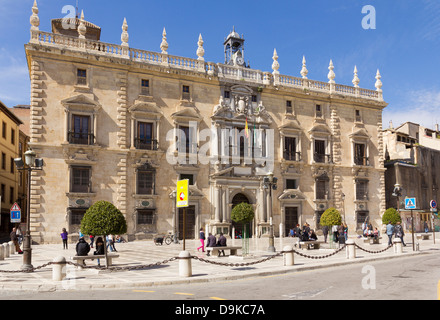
(202, 240)
(390, 232)
(14, 239)
(64, 237)
(325, 233)
(398, 231)
(92, 240)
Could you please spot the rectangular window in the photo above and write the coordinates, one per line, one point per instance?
(4, 130)
(145, 87)
(80, 179)
(81, 77)
(227, 94)
(190, 178)
(186, 136)
(319, 154)
(3, 161)
(289, 107)
(362, 190)
(290, 149)
(254, 98)
(11, 195)
(12, 165)
(81, 130)
(358, 116)
(318, 111)
(76, 216)
(145, 138)
(291, 184)
(321, 189)
(145, 181)
(186, 93)
(3, 192)
(145, 216)
(13, 137)
(360, 158)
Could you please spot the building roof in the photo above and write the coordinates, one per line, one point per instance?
(10, 114)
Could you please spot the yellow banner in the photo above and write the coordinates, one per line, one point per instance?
(182, 194)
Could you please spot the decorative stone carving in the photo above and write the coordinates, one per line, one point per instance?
(34, 19)
(82, 29)
(164, 44)
(124, 35)
(200, 50)
(356, 78)
(378, 84)
(331, 74)
(304, 70)
(275, 64)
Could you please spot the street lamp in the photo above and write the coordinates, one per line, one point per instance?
(270, 182)
(30, 164)
(397, 192)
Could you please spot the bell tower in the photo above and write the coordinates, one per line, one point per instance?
(234, 49)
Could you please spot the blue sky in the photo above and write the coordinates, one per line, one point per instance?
(405, 45)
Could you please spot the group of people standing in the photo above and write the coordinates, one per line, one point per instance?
(396, 231)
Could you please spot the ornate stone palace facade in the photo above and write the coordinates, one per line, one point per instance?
(123, 125)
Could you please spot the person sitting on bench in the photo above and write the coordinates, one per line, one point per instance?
(221, 243)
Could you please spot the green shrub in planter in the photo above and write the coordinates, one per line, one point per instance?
(331, 217)
(242, 213)
(392, 215)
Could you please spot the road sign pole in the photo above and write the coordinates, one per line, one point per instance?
(412, 227)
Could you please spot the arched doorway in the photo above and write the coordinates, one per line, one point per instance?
(238, 227)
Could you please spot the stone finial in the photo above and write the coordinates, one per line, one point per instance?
(164, 44)
(356, 78)
(82, 29)
(200, 50)
(124, 35)
(331, 74)
(34, 19)
(275, 64)
(378, 84)
(391, 126)
(304, 71)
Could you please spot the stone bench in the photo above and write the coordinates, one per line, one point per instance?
(313, 244)
(423, 236)
(372, 240)
(81, 259)
(216, 250)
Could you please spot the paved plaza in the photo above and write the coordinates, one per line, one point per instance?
(145, 252)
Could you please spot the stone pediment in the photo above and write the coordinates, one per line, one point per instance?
(360, 134)
(148, 109)
(80, 102)
(320, 129)
(291, 126)
(186, 115)
(292, 194)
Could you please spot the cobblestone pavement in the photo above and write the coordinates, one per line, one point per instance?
(142, 253)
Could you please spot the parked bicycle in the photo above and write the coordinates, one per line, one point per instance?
(168, 239)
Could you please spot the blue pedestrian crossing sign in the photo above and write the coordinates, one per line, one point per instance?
(410, 203)
(15, 214)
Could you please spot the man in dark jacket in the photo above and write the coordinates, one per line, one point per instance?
(221, 243)
(82, 247)
(211, 241)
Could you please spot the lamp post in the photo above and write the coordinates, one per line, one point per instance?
(343, 205)
(270, 182)
(30, 164)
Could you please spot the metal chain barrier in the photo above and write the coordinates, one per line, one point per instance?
(146, 266)
(369, 251)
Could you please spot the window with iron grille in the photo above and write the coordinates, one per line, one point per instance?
(289, 106)
(81, 77)
(76, 216)
(362, 190)
(145, 180)
(80, 179)
(145, 87)
(145, 216)
(360, 154)
(321, 189)
(290, 149)
(81, 132)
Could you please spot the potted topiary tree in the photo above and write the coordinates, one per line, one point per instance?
(331, 217)
(243, 213)
(103, 218)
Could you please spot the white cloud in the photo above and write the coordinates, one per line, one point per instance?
(421, 106)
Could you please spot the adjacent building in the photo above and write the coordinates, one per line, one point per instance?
(124, 125)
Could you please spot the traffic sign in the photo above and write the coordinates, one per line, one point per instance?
(433, 204)
(410, 203)
(182, 193)
(15, 213)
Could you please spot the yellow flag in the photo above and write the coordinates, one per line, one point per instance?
(246, 130)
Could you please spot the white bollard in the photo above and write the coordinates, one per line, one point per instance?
(288, 258)
(11, 248)
(58, 268)
(6, 249)
(350, 249)
(185, 269)
(398, 249)
(2, 253)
